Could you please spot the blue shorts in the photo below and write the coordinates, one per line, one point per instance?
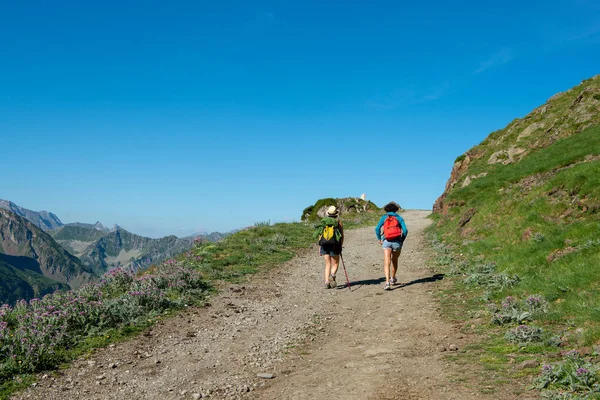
(395, 245)
(331, 250)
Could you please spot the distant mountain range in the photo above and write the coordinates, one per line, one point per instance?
(42, 219)
(97, 226)
(210, 237)
(34, 262)
(103, 251)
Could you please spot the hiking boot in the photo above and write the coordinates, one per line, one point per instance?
(332, 282)
(387, 286)
(393, 281)
(327, 286)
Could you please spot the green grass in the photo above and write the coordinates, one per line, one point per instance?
(260, 247)
(561, 212)
(538, 219)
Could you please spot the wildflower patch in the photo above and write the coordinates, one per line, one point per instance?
(35, 335)
(574, 374)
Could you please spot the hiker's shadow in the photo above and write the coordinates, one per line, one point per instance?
(379, 281)
(429, 279)
(366, 282)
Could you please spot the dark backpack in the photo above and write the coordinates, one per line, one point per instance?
(391, 228)
(329, 232)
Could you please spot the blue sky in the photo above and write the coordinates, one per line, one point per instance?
(184, 116)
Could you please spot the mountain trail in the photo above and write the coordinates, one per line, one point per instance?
(282, 336)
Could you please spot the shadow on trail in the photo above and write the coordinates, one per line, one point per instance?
(365, 282)
(429, 279)
(379, 281)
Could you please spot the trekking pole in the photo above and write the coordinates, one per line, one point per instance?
(345, 272)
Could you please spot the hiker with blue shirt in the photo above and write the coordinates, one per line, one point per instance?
(394, 234)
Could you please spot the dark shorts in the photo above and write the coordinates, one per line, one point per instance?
(332, 250)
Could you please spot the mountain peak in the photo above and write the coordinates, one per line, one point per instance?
(117, 228)
(42, 219)
(98, 225)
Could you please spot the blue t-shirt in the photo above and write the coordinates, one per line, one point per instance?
(382, 220)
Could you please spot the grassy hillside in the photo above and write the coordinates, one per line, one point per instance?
(526, 230)
(19, 284)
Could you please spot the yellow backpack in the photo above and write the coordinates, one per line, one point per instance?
(329, 232)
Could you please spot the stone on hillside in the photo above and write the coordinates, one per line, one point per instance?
(471, 178)
(265, 376)
(529, 130)
(467, 217)
(506, 156)
(528, 364)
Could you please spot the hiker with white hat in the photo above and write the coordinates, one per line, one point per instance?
(331, 238)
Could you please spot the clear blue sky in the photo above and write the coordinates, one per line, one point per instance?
(183, 116)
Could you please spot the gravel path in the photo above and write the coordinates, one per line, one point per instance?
(305, 341)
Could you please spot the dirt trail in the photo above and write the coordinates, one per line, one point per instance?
(366, 343)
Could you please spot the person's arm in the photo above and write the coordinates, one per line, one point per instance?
(403, 226)
(378, 228)
(341, 228)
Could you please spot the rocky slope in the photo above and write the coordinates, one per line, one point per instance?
(33, 263)
(97, 226)
(77, 238)
(564, 114)
(522, 210)
(42, 219)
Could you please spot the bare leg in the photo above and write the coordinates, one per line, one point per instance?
(387, 256)
(395, 256)
(335, 264)
(327, 258)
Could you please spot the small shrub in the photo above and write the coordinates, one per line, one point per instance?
(262, 223)
(278, 239)
(573, 373)
(536, 304)
(525, 334)
(517, 311)
(485, 275)
(445, 260)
